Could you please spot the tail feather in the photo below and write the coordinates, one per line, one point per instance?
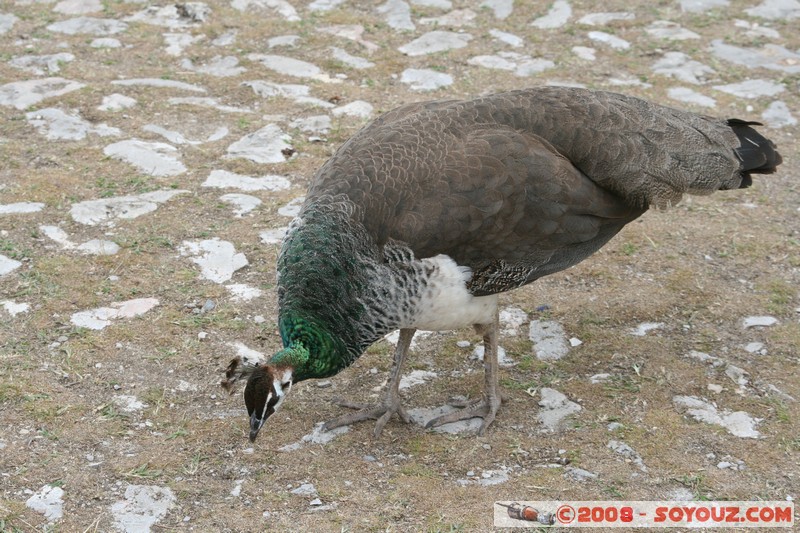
(756, 153)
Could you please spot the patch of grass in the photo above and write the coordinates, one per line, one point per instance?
(780, 294)
(418, 470)
(144, 471)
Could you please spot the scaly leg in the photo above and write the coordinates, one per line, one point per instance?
(487, 406)
(391, 402)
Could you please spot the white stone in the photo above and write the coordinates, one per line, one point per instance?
(754, 347)
(19, 208)
(211, 103)
(777, 115)
(324, 5)
(782, 10)
(8, 265)
(756, 30)
(128, 403)
(350, 60)
(501, 8)
(579, 474)
(105, 42)
(584, 52)
(770, 56)
(508, 38)
(7, 21)
(78, 7)
(159, 83)
(88, 25)
(171, 16)
(600, 378)
(40, 65)
(55, 124)
(13, 308)
(603, 19)
(511, 319)
(666, 29)
(282, 7)
(290, 66)
(714, 388)
(216, 258)
(243, 293)
(218, 66)
(549, 340)
(575, 341)
(298, 93)
(289, 41)
(151, 158)
(356, 108)
(178, 42)
(397, 14)
(354, 32)
(237, 488)
(739, 423)
(699, 6)
(628, 453)
(416, 377)
(306, 489)
(273, 236)
(266, 145)
(502, 356)
(435, 41)
(93, 212)
(58, 235)
(143, 507)
(23, 94)
(48, 500)
(436, 4)
(555, 408)
(559, 14)
(242, 203)
(98, 247)
(317, 124)
(425, 79)
(225, 39)
(613, 41)
(116, 102)
(453, 19)
(102, 317)
(422, 416)
(690, 96)
(680, 66)
(292, 209)
(642, 329)
(752, 88)
(760, 321)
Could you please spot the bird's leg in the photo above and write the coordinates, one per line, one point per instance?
(391, 402)
(487, 406)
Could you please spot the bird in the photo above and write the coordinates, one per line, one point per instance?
(429, 212)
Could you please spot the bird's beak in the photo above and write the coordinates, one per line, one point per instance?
(255, 426)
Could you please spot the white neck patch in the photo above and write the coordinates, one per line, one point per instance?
(277, 386)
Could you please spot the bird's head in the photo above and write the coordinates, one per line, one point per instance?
(267, 387)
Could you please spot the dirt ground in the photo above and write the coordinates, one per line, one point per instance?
(69, 393)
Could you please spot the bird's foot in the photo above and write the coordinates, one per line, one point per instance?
(381, 412)
(485, 408)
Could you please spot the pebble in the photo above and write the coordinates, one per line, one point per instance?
(760, 321)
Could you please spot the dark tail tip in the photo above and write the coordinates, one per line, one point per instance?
(758, 155)
(230, 375)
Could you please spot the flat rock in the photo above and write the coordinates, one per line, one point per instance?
(267, 145)
(19, 208)
(106, 210)
(159, 83)
(422, 416)
(507, 38)
(353, 32)
(49, 501)
(116, 102)
(317, 436)
(23, 94)
(128, 403)
(7, 21)
(273, 236)
(394, 337)
(487, 479)
(511, 320)
(754, 29)
(549, 340)
(642, 329)
(98, 247)
(555, 408)
(671, 31)
(585, 52)
(628, 453)
(435, 41)
(690, 96)
(173, 16)
(44, 64)
(454, 19)
(287, 41)
(203, 101)
(88, 26)
(579, 474)
(520, 64)
(295, 92)
(78, 7)
(416, 377)
(752, 88)
(759, 321)
(613, 41)
(316, 124)
(306, 489)
(105, 42)
(737, 423)
(242, 203)
(681, 67)
(218, 66)
(178, 42)
(292, 209)
(501, 9)
(216, 258)
(397, 14)
(603, 19)
(56, 124)
(324, 5)
(356, 108)
(776, 10)
(502, 357)
(360, 63)
(102, 317)
(282, 7)
(777, 115)
(770, 56)
(143, 507)
(8, 265)
(558, 15)
(701, 6)
(151, 158)
(425, 79)
(242, 292)
(13, 308)
(290, 67)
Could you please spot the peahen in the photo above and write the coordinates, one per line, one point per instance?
(430, 211)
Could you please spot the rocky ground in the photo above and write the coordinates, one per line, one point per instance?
(151, 156)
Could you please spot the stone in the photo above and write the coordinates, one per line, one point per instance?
(242, 203)
(453, 19)
(555, 408)
(143, 507)
(23, 94)
(102, 317)
(511, 319)
(777, 115)
(584, 52)
(316, 124)
(8, 265)
(78, 7)
(243, 293)
(211, 103)
(282, 7)
(700, 6)
(105, 42)
(435, 41)
(611, 40)
(14, 308)
(55, 124)
(19, 208)
(507, 38)
(216, 258)
(292, 209)
(579, 474)
(218, 66)
(273, 236)
(769, 56)
(642, 329)
(116, 102)
(297, 93)
(603, 19)
(88, 25)
(502, 357)
(159, 83)
(549, 340)
(416, 377)
(151, 158)
(306, 489)
(681, 67)
(353, 32)
(752, 88)
(739, 423)
(502, 9)
(783, 10)
(627, 453)
(106, 210)
(397, 14)
(671, 31)
(425, 79)
(128, 403)
(7, 21)
(44, 64)
(759, 321)
(267, 145)
(558, 15)
(690, 96)
(173, 16)
(324, 5)
(98, 247)
(350, 60)
(356, 108)
(290, 67)
(49, 501)
(178, 42)
(422, 416)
